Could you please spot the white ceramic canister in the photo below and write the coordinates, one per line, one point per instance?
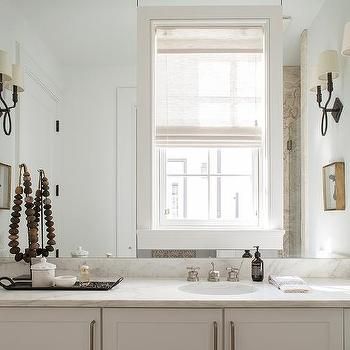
(43, 274)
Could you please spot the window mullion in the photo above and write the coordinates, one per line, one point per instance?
(185, 191)
(161, 156)
(218, 184)
(209, 187)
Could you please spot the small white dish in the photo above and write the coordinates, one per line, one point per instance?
(65, 281)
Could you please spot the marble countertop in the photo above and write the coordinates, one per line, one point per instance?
(137, 292)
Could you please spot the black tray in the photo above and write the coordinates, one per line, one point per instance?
(93, 285)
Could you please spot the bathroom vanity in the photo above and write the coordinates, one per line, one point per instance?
(158, 314)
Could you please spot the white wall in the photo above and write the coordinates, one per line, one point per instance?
(13, 31)
(328, 230)
(88, 181)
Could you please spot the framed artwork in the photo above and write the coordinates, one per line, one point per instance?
(5, 186)
(334, 186)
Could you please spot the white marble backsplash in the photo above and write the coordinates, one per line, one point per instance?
(176, 268)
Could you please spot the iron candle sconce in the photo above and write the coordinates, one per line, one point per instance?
(337, 106)
(12, 81)
(327, 71)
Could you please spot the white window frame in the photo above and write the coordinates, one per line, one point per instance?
(270, 235)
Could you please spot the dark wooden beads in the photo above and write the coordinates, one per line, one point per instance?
(36, 209)
(19, 190)
(13, 243)
(19, 257)
(15, 250)
(15, 220)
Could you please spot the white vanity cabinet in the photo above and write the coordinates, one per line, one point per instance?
(54, 329)
(174, 329)
(287, 329)
(347, 328)
(159, 329)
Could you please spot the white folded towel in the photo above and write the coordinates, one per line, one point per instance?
(289, 284)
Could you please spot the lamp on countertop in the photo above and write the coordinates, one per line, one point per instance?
(12, 80)
(327, 71)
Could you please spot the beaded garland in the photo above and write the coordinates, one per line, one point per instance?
(35, 209)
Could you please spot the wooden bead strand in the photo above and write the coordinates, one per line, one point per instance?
(38, 212)
(16, 218)
(14, 231)
(48, 215)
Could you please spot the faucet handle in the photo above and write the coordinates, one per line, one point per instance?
(231, 268)
(193, 274)
(193, 268)
(233, 274)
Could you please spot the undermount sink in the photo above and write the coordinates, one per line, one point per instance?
(218, 288)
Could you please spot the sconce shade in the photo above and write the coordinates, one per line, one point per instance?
(346, 40)
(5, 68)
(314, 81)
(328, 63)
(17, 78)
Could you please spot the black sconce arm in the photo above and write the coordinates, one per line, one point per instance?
(5, 112)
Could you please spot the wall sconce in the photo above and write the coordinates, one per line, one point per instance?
(12, 80)
(327, 71)
(346, 40)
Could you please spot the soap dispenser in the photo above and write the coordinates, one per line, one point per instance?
(257, 266)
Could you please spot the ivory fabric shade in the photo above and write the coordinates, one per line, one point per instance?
(209, 87)
(314, 81)
(5, 68)
(328, 63)
(17, 78)
(346, 40)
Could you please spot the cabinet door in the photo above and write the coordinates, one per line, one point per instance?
(159, 329)
(347, 328)
(287, 329)
(54, 329)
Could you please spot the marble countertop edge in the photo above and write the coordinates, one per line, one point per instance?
(167, 293)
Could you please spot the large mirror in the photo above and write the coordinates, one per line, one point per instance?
(77, 119)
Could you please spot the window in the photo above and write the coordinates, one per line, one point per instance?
(202, 186)
(209, 127)
(209, 101)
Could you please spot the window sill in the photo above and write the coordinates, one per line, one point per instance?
(209, 239)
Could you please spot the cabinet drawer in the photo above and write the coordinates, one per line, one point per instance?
(56, 329)
(287, 329)
(347, 328)
(159, 329)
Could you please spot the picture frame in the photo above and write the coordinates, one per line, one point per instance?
(5, 186)
(334, 186)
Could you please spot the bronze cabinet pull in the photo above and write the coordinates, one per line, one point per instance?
(92, 334)
(215, 324)
(232, 328)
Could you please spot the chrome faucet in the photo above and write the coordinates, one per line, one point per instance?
(213, 276)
